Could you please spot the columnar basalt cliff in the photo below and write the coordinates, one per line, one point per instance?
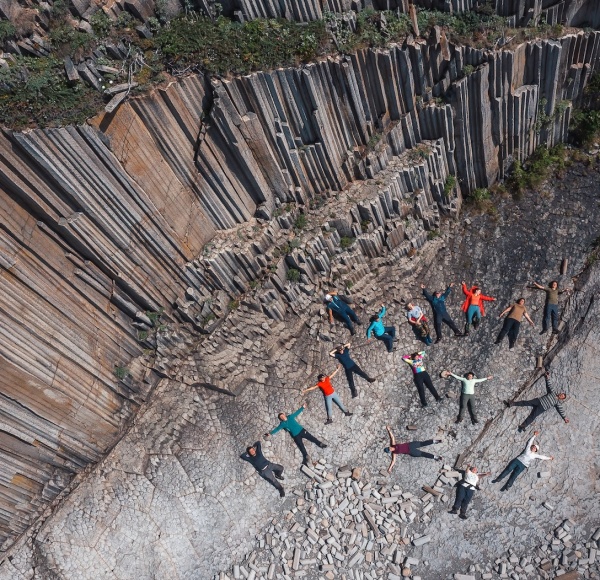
(108, 225)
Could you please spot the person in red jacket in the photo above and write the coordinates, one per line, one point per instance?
(473, 305)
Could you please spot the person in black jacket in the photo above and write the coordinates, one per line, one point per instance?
(440, 314)
(267, 470)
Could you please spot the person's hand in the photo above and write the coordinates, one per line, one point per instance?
(531, 322)
(566, 420)
(383, 306)
(304, 407)
(423, 286)
(451, 285)
(551, 457)
(536, 433)
(463, 282)
(267, 435)
(493, 300)
(490, 377)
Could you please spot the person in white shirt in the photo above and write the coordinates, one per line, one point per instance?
(465, 490)
(467, 398)
(522, 462)
(417, 319)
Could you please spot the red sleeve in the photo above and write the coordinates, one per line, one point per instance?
(488, 298)
(465, 290)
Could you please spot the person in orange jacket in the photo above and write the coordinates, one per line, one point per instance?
(473, 305)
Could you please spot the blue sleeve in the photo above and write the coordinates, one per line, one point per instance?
(296, 413)
(428, 296)
(446, 293)
(382, 312)
(277, 429)
(370, 329)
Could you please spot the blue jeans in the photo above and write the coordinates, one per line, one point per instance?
(473, 312)
(516, 467)
(550, 314)
(388, 337)
(329, 400)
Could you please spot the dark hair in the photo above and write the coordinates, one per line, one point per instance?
(470, 373)
(374, 318)
(248, 449)
(414, 355)
(279, 414)
(387, 449)
(341, 347)
(553, 282)
(519, 300)
(321, 377)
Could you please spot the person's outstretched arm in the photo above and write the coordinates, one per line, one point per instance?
(276, 430)
(505, 311)
(335, 372)
(428, 296)
(457, 377)
(488, 298)
(382, 311)
(465, 290)
(310, 389)
(296, 413)
(447, 292)
(538, 286)
(529, 319)
(330, 314)
(392, 438)
(483, 379)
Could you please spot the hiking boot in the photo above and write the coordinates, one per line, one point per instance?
(467, 326)
(453, 511)
(474, 421)
(281, 493)
(459, 420)
(322, 445)
(438, 399)
(476, 323)
(458, 335)
(555, 331)
(463, 516)
(495, 480)
(438, 458)
(439, 339)
(329, 421)
(544, 331)
(423, 405)
(354, 394)
(280, 477)
(305, 461)
(508, 403)
(437, 440)
(521, 429)
(505, 487)
(371, 380)
(352, 331)
(497, 341)
(348, 414)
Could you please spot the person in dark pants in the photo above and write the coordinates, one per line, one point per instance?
(465, 490)
(342, 354)
(551, 306)
(512, 324)
(420, 325)
(440, 314)
(421, 376)
(384, 333)
(271, 472)
(467, 397)
(521, 463)
(342, 309)
(542, 404)
(298, 433)
(413, 448)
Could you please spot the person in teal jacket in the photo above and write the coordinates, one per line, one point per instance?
(384, 333)
(298, 433)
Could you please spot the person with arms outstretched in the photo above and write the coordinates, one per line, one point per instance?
(437, 300)
(467, 397)
(521, 463)
(336, 304)
(473, 305)
(465, 489)
(551, 306)
(516, 312)
(342, 354)
(417, 319)
(324, 383)
(541, 404)
(270, 472)
(421, 376)
(412, 448)
(384, 333)
(298, 433)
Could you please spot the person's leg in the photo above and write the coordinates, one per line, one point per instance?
(391, 330)
(423, 443)
(512, 465)
(420, 389)
(268, 474)
(461, 408)
(518, 469)
(328, 406)
(535, 413)
(546, 320)
(352, 314)
(464, 504)
(300, 444)
(554, 316)
(388, 341)
(529, 403)
(429, 385)
(344, 316)
(513, 332)
(350, 379)
(357, 370)
(310, 437)
(336, 399)
(460, 495)
(415, 451)
(471, 406)
(504, 330)
(450, 323)
(437, 325)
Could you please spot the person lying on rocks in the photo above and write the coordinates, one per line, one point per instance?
(465, 490)
(473, 305)
(521, 463)
(541, 404)
(336, 304)
(421, 376)
(324, 383)
(512, 324)
(467, 397)
(342, 355)
(551, 306)
(298, 433)
(384, 333)
(271, 472)
(417, 319)
(412, 448)
(437, 300)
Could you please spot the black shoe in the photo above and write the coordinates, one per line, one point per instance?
(520, 429)
(423, 405)
(505, 488)
(467, 326)
(352, 331)
(511, 346)
(458, 420)
(280, 477)
(438, 340)
(555, 331)
(544, 331)
(281, 493)
(437, 441)
(474, 421)
(495, 480)
(458, 334)
(305, 462)
(438, 399)
(322, 445)
(507, 403)
(329, 421)
(354, 394)
(371, 380)
(358, 322)
(348, 414)
(497, 341)
(453, 511)
(463, 516)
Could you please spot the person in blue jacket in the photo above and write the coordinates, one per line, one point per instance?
(342, 309)
(289, 424)
(384, 333)
(440, 314)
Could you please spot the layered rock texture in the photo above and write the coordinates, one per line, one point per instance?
(183, 201)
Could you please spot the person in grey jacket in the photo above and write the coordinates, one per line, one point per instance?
(541, 404)
(521, 463)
